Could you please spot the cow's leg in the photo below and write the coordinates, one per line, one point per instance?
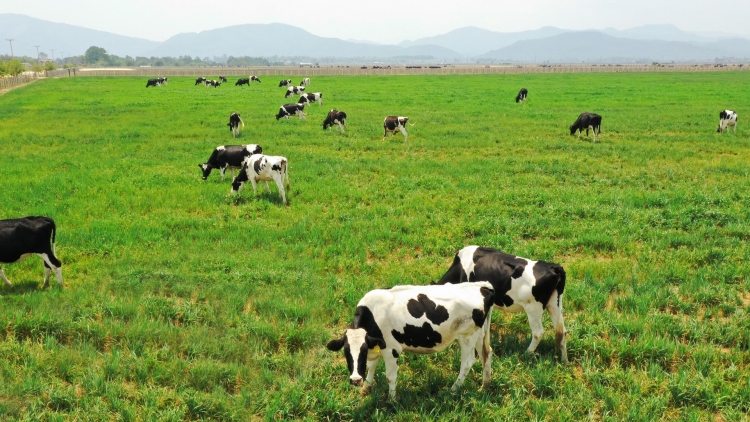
(534, 312)
(51, 261)
(555, 313)
(254, 183)
(370, 378)
(484, 350)
(403, 131)
(391, 373)
(5, 279)
(279, 179)
(267, 188)
(341, 127)
(47, 271)
(467, 357)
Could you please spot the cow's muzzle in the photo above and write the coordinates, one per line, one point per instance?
(356, 381)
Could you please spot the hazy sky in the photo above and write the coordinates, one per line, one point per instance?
(385, 21)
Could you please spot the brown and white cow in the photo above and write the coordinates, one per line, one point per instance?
(22, 237)
(521, 285)
(393, 123)
(335, 117)
(263, 168)
(422, 320)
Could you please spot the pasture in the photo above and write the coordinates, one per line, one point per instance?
(182, 302)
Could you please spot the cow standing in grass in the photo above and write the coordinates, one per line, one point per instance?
(335, 117)
(200, 80)
(228, 157)
(263, 168)
(393, 123)
(522, 94)
(521, 285)
(587, 121)
(153, 82)
(234, 124)
(308, 98)
(21, 237)
(727, 118)
(422, 320)
(285, 82)
(288, 110)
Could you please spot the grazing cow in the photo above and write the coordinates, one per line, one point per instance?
(223, 79)
(228, 157)
(587, 121)
(727, 118)
(522, 94)
(163, 81)
(242, 81)
(212, 83)
(418, 319)
(200, 80)
(305, 81)
(392, 124)
(335, 117)
(520, 285)
(291, 110)
(294, 90)
(234, 124)
(153, 82)
(285, 82)
(308, 98)
(254, 79)
(21, 237)
(263, 168)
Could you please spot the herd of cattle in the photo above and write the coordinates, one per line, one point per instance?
(387, 322)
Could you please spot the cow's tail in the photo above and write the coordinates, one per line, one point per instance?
(286, 174)
(560, 271)
(243, 123)
(412, 124)
(54, 233)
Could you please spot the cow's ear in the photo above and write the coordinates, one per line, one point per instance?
(373, 342)
(335, 345)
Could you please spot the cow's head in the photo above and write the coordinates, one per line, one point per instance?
(236, 184)
(357, 346)
(205, 169)
(573, 129)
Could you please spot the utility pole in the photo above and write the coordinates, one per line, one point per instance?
(37, 52)
(11, 46)
(53, 54)
(62, 57)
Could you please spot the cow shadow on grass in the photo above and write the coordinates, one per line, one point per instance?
(23, 287)
(262, 198)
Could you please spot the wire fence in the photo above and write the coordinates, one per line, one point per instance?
(286, 71)
(399, 70)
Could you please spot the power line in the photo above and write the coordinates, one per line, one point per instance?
(53, 54)
(37, 52)
(11, 46)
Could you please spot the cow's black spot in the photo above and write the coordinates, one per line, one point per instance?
(363, 318)
(489, 298)
(437, 314)
(276, 167)
(414, 336)
(547, 276)
(258, 165)
(395, 353)
(478, 316)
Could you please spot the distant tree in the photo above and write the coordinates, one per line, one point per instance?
(96, 55)
(43, 56)
(37, 67)
(50, 66)
(14, 67)
(2, 68)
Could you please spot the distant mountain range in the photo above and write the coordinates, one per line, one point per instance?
(547, 44)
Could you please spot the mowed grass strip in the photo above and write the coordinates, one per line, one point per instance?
(183, 302)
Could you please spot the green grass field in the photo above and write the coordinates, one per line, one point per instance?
(182, 302)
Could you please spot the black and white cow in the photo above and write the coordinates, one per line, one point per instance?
(418, 319)
(309, 98)
(520, 285)
(285, 82)
(305, 81)
(263, 168)
(393, 123)
(291, 110)
(223, 79)
(335, 117)
(727, 118)
(522, 94)
(153, 82)
(213, 83)
(294, 90)
(242, 81)
(228, 157)
(163, 81)
(254, 79)
(234, 123)
(21, 237)
(200, 80)
(587, 121)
